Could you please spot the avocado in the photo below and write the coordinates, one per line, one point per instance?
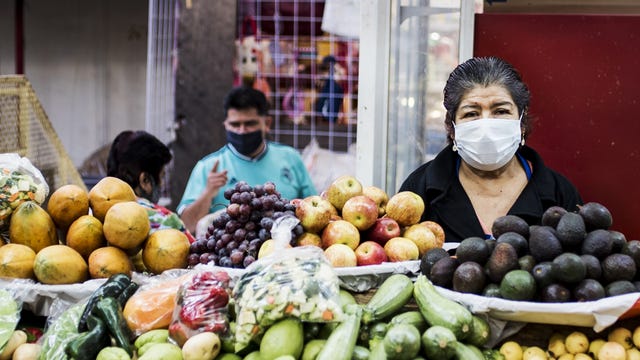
(491, 243)
(620, 287)
(569, 268)
(518, 285)
(597, 243)
(632, 248)
(469, 277)
(618, 240)
(508, 223)
(543, 274)
(588, 290)
(544, 244)
(595, 215)
(503, 259)
(571, 231)
(527, 262)
(492, 290)
(552, 215)
(430, 257)
(516, 240)
(555, 293)
(618, 267)
(442, 272)
(473, 249)
(594, 269)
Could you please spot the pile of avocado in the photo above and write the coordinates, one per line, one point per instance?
(570, 256)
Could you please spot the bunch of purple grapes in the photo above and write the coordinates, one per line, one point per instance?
(235, 236)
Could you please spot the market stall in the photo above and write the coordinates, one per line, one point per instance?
(398, 291)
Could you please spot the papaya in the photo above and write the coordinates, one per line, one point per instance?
(107, 192)
(166, 249)
(126, 225)
(16, 261)
(66, 204)
(32, 226)
(109, 260)
(60, 264)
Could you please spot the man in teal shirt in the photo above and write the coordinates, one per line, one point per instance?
(247, 156)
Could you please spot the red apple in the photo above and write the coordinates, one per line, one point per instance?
(422, 236)
(342, 189)
(309, 239)
(340, 255)
(405, 207)
(437, 230)
(401, 249)
(314, 213)
(340, 232)
(370, 253)
(361, 211)
(384, 229)
(378, 195)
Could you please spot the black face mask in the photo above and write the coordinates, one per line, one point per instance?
(245, 144)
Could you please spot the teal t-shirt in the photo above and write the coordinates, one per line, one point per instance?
(280, 164)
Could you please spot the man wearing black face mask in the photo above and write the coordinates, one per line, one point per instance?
(138, 158)
(247, 156)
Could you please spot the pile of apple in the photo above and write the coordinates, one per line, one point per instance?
(361, 225)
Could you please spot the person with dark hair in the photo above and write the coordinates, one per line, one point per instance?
(247, 156)
(487, 171)
(139, 158)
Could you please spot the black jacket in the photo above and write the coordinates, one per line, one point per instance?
(447, 203)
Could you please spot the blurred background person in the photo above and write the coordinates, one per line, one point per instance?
(247, 156)
(139, 159)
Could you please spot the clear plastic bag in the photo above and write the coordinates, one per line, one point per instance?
(62, 328)
(9, 315)
(201, 305)
(19, 181)
(291, 282)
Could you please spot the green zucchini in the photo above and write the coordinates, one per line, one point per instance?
(360, 353)
(377, 331)
(401, 342)
(437, 342)
(480, 332)
(342, 341)
(466, 352)
(492, 354)
(412, 318)
(392, 295)
(438, 310)
(377, 352)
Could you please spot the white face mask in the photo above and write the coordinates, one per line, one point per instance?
(487, 144)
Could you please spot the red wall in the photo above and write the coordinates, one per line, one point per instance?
(583, 72)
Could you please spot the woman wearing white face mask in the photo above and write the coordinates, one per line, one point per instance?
(487, 171)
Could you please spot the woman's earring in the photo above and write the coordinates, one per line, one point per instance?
(455, 147)
(522, 142)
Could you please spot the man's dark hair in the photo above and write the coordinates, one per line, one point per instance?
(134, 152)
(246, 98)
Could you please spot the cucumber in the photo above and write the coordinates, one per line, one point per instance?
(392, 295)
(342, 341)
(402, 342)
(466, 352)
(412, 318)
(437, 342)
(438, 310)
(480, 332)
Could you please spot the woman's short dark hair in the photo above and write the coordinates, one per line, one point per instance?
(134, 152)
(246, 98)
(484, 71)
